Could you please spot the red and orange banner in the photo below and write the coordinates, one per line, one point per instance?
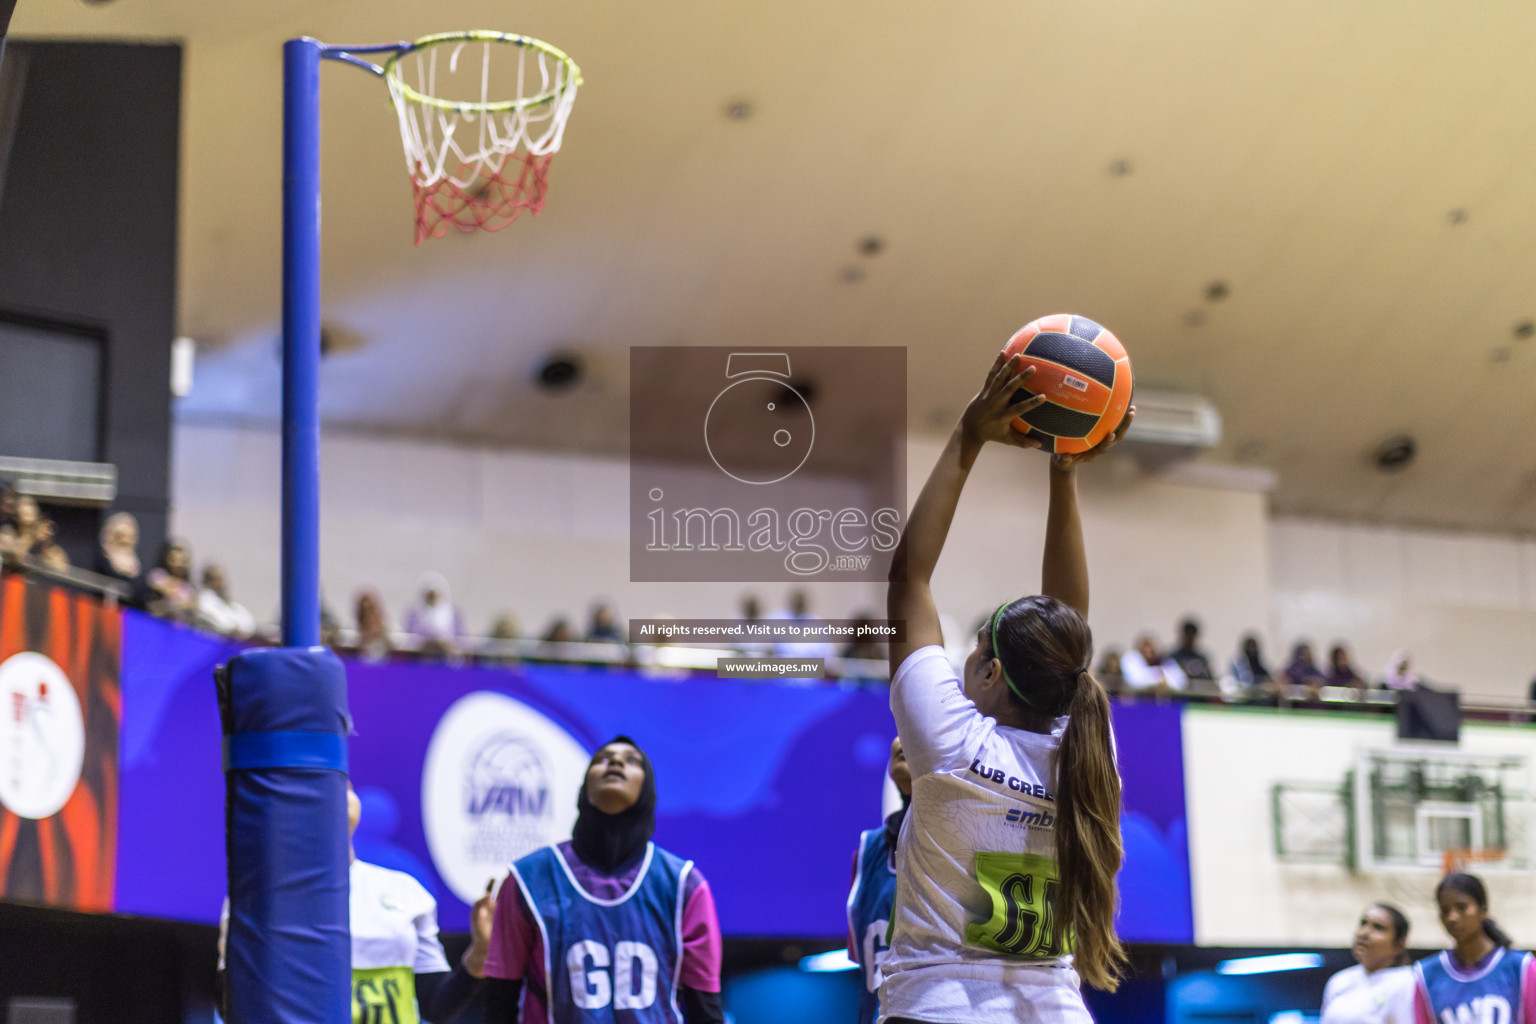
(60, 711)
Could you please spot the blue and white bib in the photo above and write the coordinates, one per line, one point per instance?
(1487, 995)
(609, 960)
(869, 912)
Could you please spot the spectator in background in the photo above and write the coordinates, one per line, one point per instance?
(8, 499)
(603, 629)
(866, 647)
(752, 614)
(28, 532)
(218, 612)
(168, 588)
(373, 644)
(799, 610)
(118, 554)
(1399, 674)
(1302, 669)
(1192, 661)
(1340, 671)
(30, 535)
(330, 626)
(53, 558)
(498, 645)
(1248, 671)
(434, 618)
(1147, 670)
(751, 608)
(559, 632)
(1108, 673)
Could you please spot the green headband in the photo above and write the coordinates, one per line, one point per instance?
(997, 653)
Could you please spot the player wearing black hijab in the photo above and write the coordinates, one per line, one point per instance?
(607, 926)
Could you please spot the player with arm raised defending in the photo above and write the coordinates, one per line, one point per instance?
(1005, 889)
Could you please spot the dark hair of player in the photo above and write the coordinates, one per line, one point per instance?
(1472, 887)
(1045, 647)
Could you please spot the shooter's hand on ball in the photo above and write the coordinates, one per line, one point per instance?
(1068, 461)
(990, 414)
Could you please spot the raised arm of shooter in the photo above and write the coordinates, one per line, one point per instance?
(1064, 569)
(988, 417)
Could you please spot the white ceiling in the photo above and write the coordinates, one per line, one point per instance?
(1307, 153)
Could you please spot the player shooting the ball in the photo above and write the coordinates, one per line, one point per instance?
(1015, 792)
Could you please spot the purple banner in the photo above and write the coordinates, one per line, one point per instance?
(460, 770)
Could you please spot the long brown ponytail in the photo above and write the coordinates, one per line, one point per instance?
(1088, 845)
(1045, 648)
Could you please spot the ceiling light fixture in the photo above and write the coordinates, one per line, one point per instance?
(1396, 453)
(561, 371)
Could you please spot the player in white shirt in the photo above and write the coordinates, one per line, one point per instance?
(1005, 890)
(1379, 988)
(399, 970)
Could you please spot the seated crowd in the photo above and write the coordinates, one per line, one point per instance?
(165, 589)
(433, 627)
(1186, 669)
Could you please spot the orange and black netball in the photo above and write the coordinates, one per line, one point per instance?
(1082, 370)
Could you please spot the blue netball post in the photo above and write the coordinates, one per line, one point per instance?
(284, 712)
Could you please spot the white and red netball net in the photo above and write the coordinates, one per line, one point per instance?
(476, 161)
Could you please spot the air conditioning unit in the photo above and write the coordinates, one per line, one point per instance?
(1175, 420)
(59, 482)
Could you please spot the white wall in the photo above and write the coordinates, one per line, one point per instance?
(543, 534)
(540, 535)
(536, 535)
(1157, 550)
(1463, 604)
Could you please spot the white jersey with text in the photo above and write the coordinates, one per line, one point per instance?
(977, 886)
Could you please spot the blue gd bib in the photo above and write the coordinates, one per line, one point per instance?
(609, 960)
(1487, 996)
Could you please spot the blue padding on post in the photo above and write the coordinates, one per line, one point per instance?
(315, 750)
(290, 950)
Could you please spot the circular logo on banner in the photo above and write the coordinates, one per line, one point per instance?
(42, 736)
(500, 780)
